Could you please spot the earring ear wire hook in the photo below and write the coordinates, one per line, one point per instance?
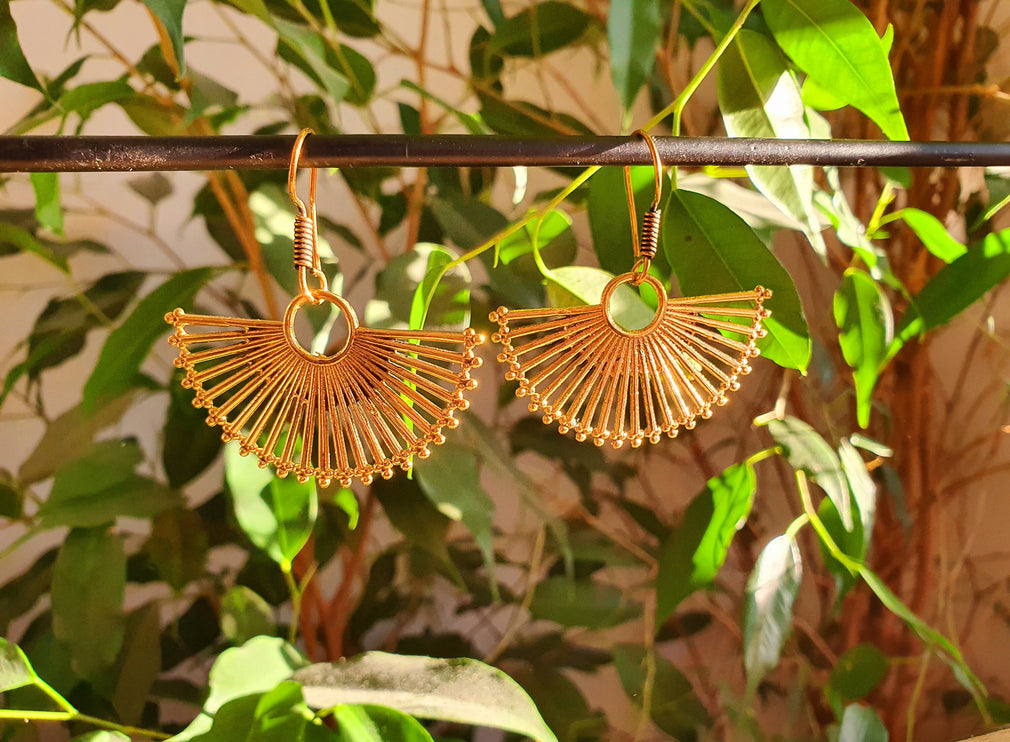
(306, 237)
(646, 248)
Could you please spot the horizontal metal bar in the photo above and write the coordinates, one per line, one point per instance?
(81, 154)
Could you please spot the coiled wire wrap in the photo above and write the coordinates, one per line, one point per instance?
(650, 233)
(304, 247)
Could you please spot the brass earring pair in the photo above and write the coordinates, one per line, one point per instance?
(380, 399)
(584, 371)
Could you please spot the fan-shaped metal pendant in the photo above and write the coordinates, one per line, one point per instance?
(587, 373)
(379, 400)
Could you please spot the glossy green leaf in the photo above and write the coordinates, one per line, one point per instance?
(169, 12)
(955, 287)
(609, 221)
(865, 331)
(713, 251)
(768, 606)
(858, 671)
(582, 603)
(244, 615)
(89, 582)
(824, 99)
(806, 450)
(462, 691)
(861, 485)
(278, 715)
(564, 708)
(861, 724)
(258, 665)
(377, 724)
(13, 64)
(48, 209)
(101, 486)
(102, 735)
(933, 235)
(634, 29)
(675, 708)
(189, 445)
(413, 515)
(540, 29)
(178, 546)
(759, 97)
(15, 669)
(695, 550)
(277, 515)
(69, 437)
(556, 243)
(451, 480)
(837, 46)
(129, 344)
(359, 73)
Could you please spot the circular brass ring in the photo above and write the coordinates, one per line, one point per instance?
(316, 298)
(631, 277)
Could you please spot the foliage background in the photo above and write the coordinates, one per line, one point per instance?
(406, 577)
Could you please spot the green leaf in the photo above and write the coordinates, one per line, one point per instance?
(178, 546)
(257, 666)
(929, 636)
(23, 240)
(15, 669)
(837, 46)
(562, 704)
(609, 220)
(277, 515)
(451, 480)
(85, 99)
(400, 295)
(823, 99)
(861, 724)
(360, 76)
(805, 450)
(634, 29)
(713, 251)
(189, 446)
(865, 330)
(102, 735)
(675, 707)
(542, 28)
(412, 514)
(861, 485)
(152, 187)
(129, 344)
(279, 715)
(955, 287)
(857, 672)
(377, 724)
(48, 209)
(69, 437)
(462, 691)
(139, 663)
(13, 64)
(695, 550)
(308, 51)
(932, 234)
(577, 285)
(759, 97)
(556, 243)
(169, 12)
(244, 615)
(89, 582)
(101, 486)
(582, 603)
(768, 606)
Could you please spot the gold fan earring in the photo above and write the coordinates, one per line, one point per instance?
(584, 371)
(380, 399)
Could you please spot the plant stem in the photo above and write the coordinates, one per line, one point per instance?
(853, 566)
(31, 715)
(296, 602)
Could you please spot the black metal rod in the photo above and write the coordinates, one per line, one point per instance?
(105, 154)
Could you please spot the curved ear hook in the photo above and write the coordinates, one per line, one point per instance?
(645, 250)
(306, 247)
